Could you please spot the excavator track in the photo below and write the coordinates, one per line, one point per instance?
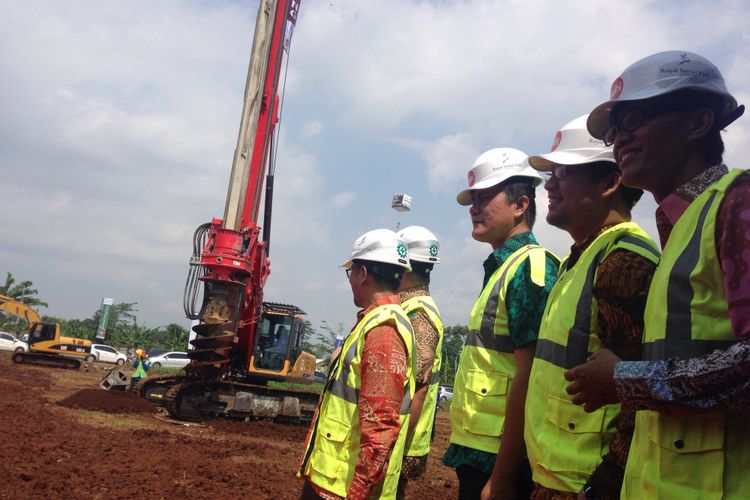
(195, 400)
(154, 389)
(50, 360)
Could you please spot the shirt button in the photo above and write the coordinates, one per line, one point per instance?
(571, 425)
(328, 434)
(484, 391)
(679, 444)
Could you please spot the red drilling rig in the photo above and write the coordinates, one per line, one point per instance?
(247, 358)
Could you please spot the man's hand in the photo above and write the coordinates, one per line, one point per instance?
(592, 383)
(495, 492)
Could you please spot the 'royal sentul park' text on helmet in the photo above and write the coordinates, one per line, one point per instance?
(661, 74)
(495, 166)
(573, 145)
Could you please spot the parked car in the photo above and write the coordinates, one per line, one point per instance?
(155, 351)
(9, 343)
(446, 394)
(108, 354)
(170, 360)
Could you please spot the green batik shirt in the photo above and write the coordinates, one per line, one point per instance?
(525, 303)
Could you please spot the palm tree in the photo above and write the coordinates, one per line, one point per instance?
(23, 291)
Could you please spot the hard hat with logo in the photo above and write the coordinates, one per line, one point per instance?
(495, 166)
(423, 245)
(380, 245)
(660, 74)
(573, 145)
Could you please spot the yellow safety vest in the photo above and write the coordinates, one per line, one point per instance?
(565, 444)
(418, 443)
(334, 444)
(487, 365)
(699, 454)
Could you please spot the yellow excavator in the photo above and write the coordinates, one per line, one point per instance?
(46, 346)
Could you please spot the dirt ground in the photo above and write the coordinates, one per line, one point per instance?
(63, 437)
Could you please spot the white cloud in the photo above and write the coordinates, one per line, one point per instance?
(313, 128)
(343, 199)
(119, 127)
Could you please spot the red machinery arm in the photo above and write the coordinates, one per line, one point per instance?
(234, 257)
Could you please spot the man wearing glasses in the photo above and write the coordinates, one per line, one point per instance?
(597, 302)
(356, 441)
(665, 117)
(490, 385)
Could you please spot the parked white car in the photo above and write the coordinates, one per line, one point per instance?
(108, 354)
(9, 343)
(170, 360)
(445, 394)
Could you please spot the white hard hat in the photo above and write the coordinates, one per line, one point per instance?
(573, 145)
(495, 166)
(660, 74)
(380, 245)
(423, 245)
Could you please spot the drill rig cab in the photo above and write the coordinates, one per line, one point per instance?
(278, 352)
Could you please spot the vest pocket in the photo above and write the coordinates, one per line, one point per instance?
(690, 453)
(332, 446)
(574, 441)
(486, 396)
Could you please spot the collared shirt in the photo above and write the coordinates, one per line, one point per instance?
(719, 379)
(383, 369)
(525, 303)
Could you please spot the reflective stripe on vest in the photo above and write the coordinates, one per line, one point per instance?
(565, 443)
(699, 454)
(334, 442)
(418, 443)
(487, 364)
(576, 350)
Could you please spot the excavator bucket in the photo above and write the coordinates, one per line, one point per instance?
(116, 379)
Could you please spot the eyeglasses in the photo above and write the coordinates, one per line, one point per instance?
(632, 119)
(349, 271)
(562, 171)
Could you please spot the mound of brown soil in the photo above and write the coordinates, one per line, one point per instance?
(107, 401)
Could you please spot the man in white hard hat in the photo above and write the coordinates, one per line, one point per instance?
(356, 441)
(597, 301)
(491, 381)
(665, 116)
(420, 307)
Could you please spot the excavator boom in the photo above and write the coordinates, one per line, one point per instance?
(16, 308)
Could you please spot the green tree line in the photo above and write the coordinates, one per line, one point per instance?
(123, 329)
(320, 341)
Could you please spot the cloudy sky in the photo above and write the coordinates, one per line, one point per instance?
(119, 121)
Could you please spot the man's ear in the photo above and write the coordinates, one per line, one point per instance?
(610, 184)
(701, 122)
(363, 275)
(521, 205)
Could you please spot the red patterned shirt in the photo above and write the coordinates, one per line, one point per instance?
(383, 369)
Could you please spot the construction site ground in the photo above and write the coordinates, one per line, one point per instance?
(64, 437)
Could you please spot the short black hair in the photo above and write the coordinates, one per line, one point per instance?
(600, 169)
(387, 275)
(514, 188)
